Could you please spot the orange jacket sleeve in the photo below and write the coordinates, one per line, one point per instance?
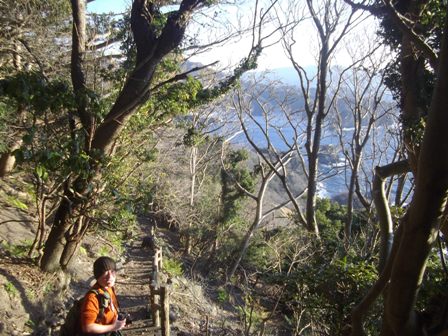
(91, 307)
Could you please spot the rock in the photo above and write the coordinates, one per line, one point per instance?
(53, 321)
(173, 316)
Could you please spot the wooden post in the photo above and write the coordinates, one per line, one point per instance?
(159, 296)
(157, 260)
(154, 263)
(165, 298)
(155, 304)
(159, 251)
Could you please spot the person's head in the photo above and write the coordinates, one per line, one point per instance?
(104, 269)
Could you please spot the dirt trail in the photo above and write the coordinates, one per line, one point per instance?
(133, 284)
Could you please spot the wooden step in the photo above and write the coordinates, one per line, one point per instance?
(141, 327)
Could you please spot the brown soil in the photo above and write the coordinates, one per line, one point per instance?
(35, 303)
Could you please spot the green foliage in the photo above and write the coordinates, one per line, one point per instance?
(31, 324)
(46, 149)
(45, 11)
(104, 251)
(11, 289)
(237, 172)
(115, 241)
(223, 295)
(246, 64)
(330, 217)
(414, 129)
(34, 92)
(83, 250)
(16, 203)
(222, 209)
(430, 25)
(323, 280)
(251, 313)
(122, 217)
(174, 99)
(328, 290)
(6, 114)
(238, 156)
(194, 137)
(17, 250)
(259, 255)
(49, 288)
(434, 283)
(329, 214)
(173, 267)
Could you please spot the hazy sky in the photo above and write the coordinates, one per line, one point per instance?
(106, 6)
(231, 54)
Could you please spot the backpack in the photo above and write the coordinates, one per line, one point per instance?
(71, 326)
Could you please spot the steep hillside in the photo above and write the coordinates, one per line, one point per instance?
(33, 302)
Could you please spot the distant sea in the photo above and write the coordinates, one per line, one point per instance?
(334, 174)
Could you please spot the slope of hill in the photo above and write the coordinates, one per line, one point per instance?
(33, 302)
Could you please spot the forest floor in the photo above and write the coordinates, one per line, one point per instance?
(35, 303)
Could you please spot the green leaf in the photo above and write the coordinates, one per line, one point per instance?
(17, 203)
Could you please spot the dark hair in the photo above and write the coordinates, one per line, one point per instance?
(103, 264)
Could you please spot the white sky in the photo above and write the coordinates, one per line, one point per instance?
(106, 6)
(231, 54)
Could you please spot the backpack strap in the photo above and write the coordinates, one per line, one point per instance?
(103, 302)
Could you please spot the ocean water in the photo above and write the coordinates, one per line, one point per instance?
(278, 135)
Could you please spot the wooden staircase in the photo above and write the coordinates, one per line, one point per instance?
(134, 287)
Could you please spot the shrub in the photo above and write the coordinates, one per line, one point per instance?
(18, 250)
(172, 267)
(223, 295)
(11, 289)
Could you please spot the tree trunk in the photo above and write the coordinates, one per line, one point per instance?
(314, 140)
(7, 159)
(245, 243)
(427, 208)
(310, 212)
(401, 182)
(382, 206)
(7, 162)
(55, 243)
(360, 310)
(255, 224)
(313, 159)
(193, 163)
(152, 45)
(350, 197)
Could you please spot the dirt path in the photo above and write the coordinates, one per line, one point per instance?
(133, 284)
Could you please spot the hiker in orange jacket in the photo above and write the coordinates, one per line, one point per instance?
(99, 312)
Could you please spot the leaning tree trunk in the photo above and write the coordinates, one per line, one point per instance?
(55, 243)
(247, 237)
(254, 226)
(382, 206)
(152, 46)
(427, 208)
